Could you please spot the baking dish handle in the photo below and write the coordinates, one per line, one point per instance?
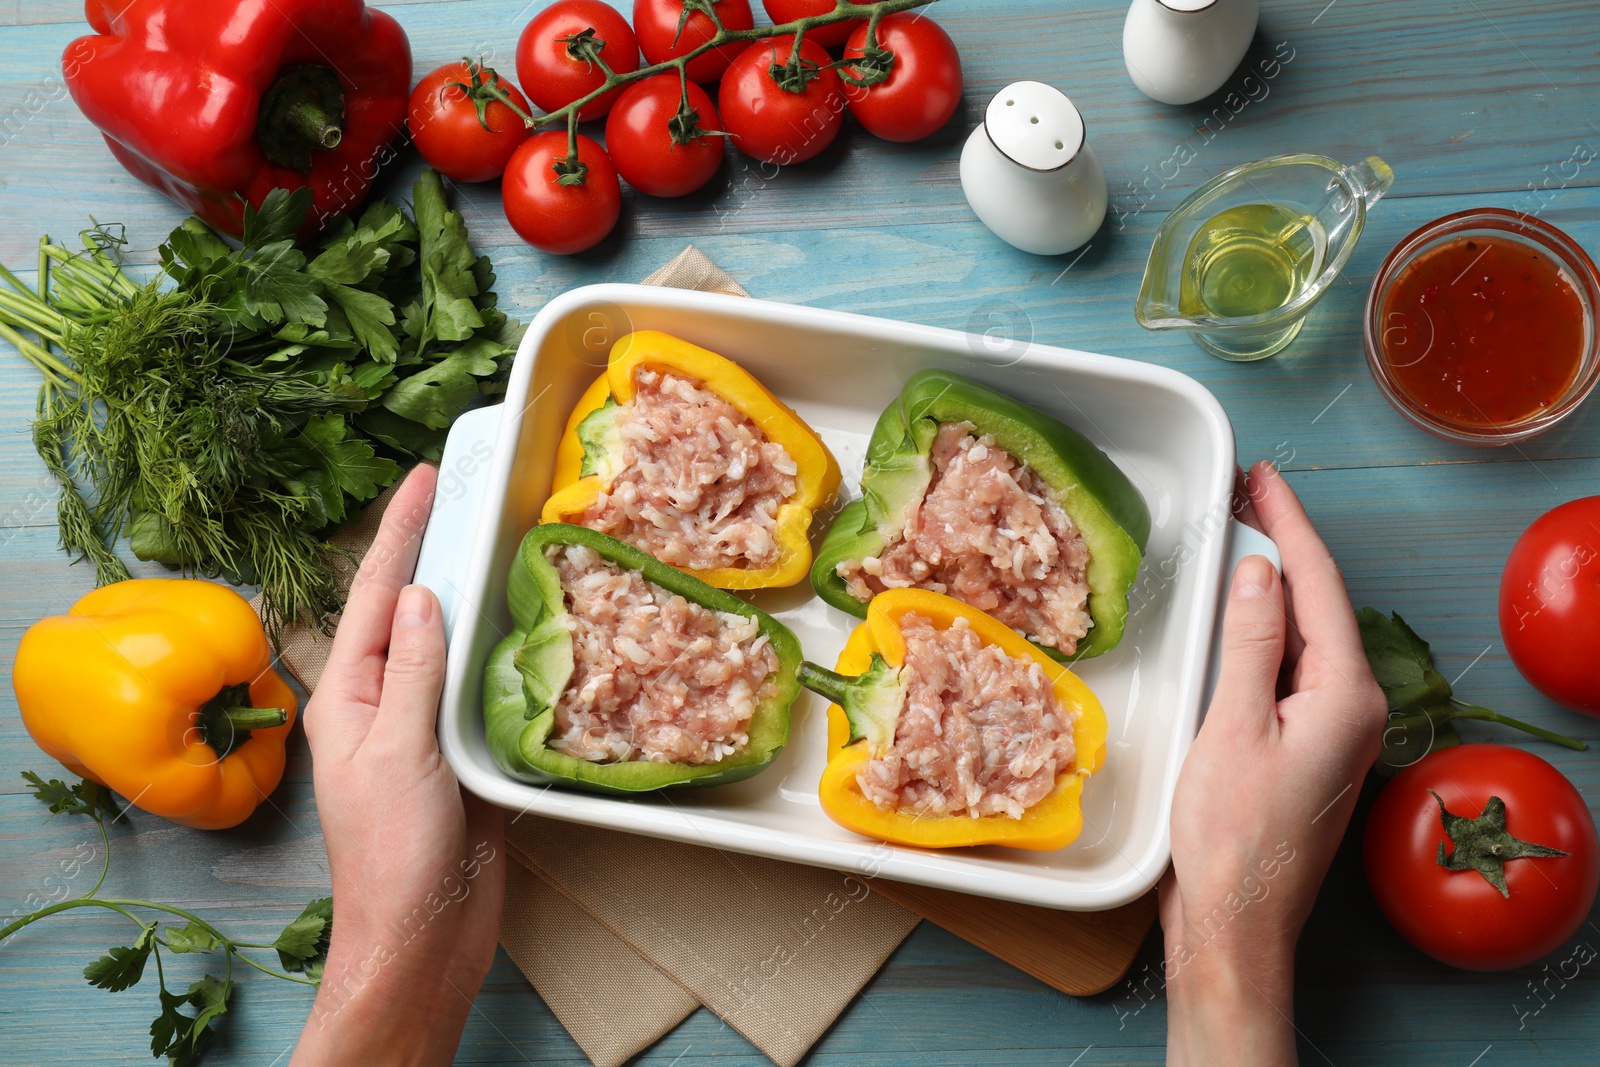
(457, 503)
(1242, 541)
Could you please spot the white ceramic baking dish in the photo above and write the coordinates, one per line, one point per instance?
(839, 371)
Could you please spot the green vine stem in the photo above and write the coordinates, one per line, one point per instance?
(845, 11)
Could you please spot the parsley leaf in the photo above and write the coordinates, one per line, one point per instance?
(279, 217)
(1401, 661)
(436, 395)
(449, 285)
(190, 938)
(123, 966)
(85, 798)
(303, 944)
(182, 1038)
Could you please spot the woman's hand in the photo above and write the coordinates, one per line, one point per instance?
(418, 866)
(1265, 794)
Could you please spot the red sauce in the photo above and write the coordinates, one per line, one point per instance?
(1482, 331)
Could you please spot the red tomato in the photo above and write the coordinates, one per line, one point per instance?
(924, 85)
(768, 121)
(656, 23)
(781, 11)
(553, 75)
(445, 126)
(1458, 917)
(555, 218)
(1550, 605)
(641, 143)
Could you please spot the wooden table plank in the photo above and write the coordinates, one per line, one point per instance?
(1460, 100)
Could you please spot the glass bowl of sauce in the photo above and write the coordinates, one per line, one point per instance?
(1480, 326)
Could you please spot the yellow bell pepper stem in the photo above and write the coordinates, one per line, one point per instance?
(817, 472)
(1051, 824)
(161, 689)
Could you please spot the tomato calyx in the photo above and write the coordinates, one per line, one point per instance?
(585, 46)
(708, 8)
(483, 89)
(685, 126)
(794, 75)
(571, 170)
(873, 66)
(1484, 844)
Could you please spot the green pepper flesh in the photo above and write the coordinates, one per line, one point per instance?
(529, 669)
(1105, 506)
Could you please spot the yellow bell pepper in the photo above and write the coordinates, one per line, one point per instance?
(586, 464)
(867, 682)
(163, 690)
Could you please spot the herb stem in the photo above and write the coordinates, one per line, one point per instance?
(1464, 710)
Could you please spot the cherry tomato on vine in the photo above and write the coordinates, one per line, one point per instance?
(664, 33)
(1550, 604)
(771, 121)
(781, 11)
(558, 60)
(556, 218)
(467, 134)
(923, 88)
(642, 136)
(1455, 913)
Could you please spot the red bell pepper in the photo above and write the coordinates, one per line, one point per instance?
(218, 102)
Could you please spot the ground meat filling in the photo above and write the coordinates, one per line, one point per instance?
(991, 534)
(981, 733)
(700, 484)
(655, 677)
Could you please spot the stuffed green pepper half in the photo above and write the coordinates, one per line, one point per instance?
(969, 493)
(624, 675)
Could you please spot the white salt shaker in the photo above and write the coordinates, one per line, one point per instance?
(1029, 172)
(1180, 51)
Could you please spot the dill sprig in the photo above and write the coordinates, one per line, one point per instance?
(228, 415)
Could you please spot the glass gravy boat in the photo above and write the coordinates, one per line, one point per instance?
(1246, 255)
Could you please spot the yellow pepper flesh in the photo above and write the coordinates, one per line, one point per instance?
(1051, 824)
(115, 688)
(817, 478)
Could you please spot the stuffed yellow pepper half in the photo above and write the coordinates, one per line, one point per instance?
(948, 728)
(680, 452)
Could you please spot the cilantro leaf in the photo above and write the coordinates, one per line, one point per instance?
(190, 938)
(279, 217)
(85, 798)
(436, 395)
(123, 966)
(303, 944)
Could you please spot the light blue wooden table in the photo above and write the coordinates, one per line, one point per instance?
(1473, 103)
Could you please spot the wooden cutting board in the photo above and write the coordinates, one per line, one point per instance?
(1077, 952)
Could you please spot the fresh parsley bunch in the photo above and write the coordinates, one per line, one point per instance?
(226, 417)
(302, 947)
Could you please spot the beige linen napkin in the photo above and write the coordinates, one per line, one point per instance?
(624, 936)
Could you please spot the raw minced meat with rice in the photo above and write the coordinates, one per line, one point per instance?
(655, 676)
(700, 484)
(990, 533)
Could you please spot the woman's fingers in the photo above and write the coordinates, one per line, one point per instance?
(414, 675)
(339, 715)
(1321, 609)
(1252, 648)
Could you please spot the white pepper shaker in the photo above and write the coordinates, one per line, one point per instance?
(1029, 173)
(1180, 51)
